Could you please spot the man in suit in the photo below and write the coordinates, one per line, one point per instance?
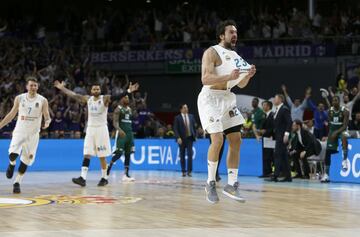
(184, 129)
(282, 128)
(303, 145)
(267, 133)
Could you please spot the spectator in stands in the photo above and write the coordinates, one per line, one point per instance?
(297, 108)
(320, 118)
(355, 124)
(57, 127)
(169, 131)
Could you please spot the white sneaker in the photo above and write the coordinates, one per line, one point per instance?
(345, 165)
(126, 178)
(325, 179)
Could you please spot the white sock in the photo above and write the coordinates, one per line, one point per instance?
(232, 176)
(103, 174)
(84, 171)
(19, 178)
(12, 162)
(212, 166)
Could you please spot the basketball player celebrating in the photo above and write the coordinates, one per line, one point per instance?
(222, 69)
(30, 108)
(124, 136)
(97, 139)
(338, 122)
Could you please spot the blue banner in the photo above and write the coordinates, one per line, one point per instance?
(352, 175)
(150, 154)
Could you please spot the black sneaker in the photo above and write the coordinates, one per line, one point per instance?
(16, 188)
(79, 181)
(10, 171)
(103, 182)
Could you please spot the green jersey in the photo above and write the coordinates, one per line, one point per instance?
(258, 117)
(125, 119)
(336, 119)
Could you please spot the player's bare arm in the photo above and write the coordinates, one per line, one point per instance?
(61, 86)
(116, 122)
(46, 114)
(243, 83)
(132, 88)
(208, 76)
(11, 115)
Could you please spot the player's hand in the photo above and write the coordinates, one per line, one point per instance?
(252, 70)
(234, 74)
(258, 137)
(302, 154)
(179, 141)
(122, 134)
(283, 88)
(133, 87)
(59, 85)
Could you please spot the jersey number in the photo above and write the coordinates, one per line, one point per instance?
(238, 63)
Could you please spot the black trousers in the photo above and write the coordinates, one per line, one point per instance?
(281, 160)
(268, 159)
(301, 169)
(186, 146)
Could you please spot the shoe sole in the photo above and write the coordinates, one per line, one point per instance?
(242, 200)
(212, 202)
(82, 185)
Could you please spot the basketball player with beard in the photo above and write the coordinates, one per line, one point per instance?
(30, 107)
(97, 139)
(223, 69)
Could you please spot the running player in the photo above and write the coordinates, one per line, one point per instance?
(124, 138)
(30, 108)
(97, 139)
(221, 70)
(338, 122)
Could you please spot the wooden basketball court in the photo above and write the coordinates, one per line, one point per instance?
(165, 204)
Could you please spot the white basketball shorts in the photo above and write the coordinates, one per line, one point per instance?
(218, 110)
(25, 145)
(97, 141)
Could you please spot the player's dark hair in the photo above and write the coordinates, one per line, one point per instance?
(256, 99)
(337, 97)
(268, 103)
(31, 78)
(220, 28)
(95, 84)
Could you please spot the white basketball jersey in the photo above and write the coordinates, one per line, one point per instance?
(230, 60)
(30, 114)
(97, 112)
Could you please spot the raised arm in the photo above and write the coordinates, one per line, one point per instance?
(304, 104)
(208, 76)
(46, 114)
(131, 89)
(61, 86)
(11, 115)
(287, 97)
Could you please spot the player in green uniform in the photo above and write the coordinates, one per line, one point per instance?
(338, 122)
(124, 136)
(258, 117)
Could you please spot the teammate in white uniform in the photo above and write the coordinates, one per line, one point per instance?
(222, 69)
(30, 108)
(97, 139)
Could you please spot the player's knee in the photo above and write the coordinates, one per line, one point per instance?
(234, 140)
(13, 156)
(217, 140)
(22, 168)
